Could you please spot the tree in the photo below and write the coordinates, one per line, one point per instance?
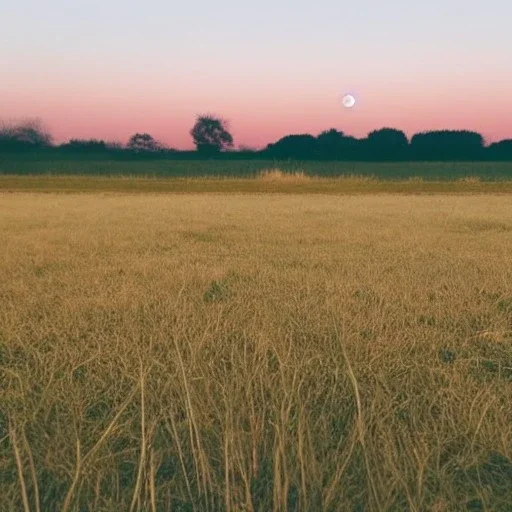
(335, 145)
(114, 145)
(27, 134)
(447, 145)
(243, 148)
(143, 143)
(329, 142)
(210, 135)
(501, 150)
(294, 146)
(85, 145)
(386, 144)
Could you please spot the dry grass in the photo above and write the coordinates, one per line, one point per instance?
(281, 176)
(269, 181)
(255, 352)
(471, 179)
(299, 177)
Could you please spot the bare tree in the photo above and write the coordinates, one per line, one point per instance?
(28, 133)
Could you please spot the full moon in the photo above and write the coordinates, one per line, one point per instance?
(348, 101)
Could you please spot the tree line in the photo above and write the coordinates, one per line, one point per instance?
(212, 138)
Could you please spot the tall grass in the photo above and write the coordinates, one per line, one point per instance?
(273, 180)
(255, 352)
(44, 164)
(277, 175)
(288, 178)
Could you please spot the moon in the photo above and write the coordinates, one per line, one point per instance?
(348, 101)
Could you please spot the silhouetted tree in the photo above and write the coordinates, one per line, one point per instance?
(243, 148)
(501, 150)
(294, 146)
(85, 145)
(329, 143)
(386, 144)
(335, 145)
(25, 135)
(447, 145)
(143, 143)
(114, 145)
(210, 135)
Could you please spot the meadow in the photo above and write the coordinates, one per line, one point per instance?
(269, 181)
(232, 166)
(248, 351)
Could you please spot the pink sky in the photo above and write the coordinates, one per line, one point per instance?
(109, 69)
(257, 118)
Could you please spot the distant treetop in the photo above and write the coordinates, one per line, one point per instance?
(30, 133)
(144, 143)
(210, 135)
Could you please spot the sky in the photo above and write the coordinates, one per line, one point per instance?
(109, 68)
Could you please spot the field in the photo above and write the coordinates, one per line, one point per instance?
(72, 165)
(248, 351)
(269, 181)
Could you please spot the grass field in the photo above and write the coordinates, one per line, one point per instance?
(35, 164)
(269, 181)
(255, 352)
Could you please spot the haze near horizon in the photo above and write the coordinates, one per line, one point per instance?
(110, 69)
